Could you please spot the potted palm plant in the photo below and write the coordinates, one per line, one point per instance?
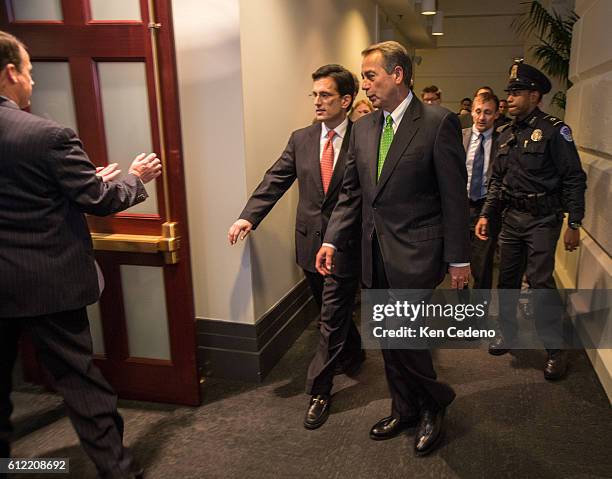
(554, 33)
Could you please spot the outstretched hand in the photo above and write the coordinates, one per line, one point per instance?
(108, 173)
(146, 167)
(240, 229)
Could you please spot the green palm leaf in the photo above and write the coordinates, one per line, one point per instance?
(554, 33)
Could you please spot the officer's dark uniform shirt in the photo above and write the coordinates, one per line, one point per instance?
(537, 155)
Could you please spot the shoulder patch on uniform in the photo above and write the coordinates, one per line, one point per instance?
(503, 127)
(566, 133)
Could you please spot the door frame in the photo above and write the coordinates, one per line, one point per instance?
(82, 42)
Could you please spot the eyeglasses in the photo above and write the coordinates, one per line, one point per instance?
(324, 96)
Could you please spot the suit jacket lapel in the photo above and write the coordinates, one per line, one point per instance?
(401, 139)
(336, 179)
(373, 142)
(313, 155)
(467, 136)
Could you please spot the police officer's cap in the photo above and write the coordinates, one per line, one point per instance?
(526, 77)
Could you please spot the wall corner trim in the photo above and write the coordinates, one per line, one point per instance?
(248, 352)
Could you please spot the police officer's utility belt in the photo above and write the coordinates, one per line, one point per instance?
(538, 204)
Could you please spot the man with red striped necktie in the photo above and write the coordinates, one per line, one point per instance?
(316, 157)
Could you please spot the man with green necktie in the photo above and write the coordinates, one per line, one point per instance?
(406, 175)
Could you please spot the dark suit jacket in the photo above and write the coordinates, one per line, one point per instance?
(46, 184)
(418, 208)
(467, 135)
(300, 161)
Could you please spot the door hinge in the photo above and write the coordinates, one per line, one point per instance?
(154, 26)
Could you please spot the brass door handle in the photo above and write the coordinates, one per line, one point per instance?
(168, 243)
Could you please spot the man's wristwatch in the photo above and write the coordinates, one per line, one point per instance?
(574, 225)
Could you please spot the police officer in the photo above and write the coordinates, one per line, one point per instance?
(536, 177)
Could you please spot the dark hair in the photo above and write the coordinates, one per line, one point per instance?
(503, 99)
(486, 97)
(344, 79)
(356, 84)
(466, 99)
(394, 55)
(432, 89)
(10, 50)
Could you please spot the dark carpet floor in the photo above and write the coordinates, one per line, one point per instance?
(507, 422)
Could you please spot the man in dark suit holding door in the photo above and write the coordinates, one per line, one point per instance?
(479, 143)
(406, 176)
(316, 157)
(47, 270)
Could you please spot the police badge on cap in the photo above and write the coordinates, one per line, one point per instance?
(527, 77)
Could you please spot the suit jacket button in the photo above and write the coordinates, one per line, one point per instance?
(317, 233)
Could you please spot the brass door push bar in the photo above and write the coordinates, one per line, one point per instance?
(168, 244)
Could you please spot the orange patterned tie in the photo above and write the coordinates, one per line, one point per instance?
(327, 161)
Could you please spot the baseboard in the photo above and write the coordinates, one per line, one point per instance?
(601, 359)
(591, 328)
(248, 352)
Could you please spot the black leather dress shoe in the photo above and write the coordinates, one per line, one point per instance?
(389, 427)
(318, 411)
(498, 346)
(556, 366)
(429, 431)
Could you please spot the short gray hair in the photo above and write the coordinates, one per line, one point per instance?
(394, 54)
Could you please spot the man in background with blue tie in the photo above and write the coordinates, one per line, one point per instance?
(479, 143)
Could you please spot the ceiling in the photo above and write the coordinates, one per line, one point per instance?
(413, 25)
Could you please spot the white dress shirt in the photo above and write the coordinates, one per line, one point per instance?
(398, 113)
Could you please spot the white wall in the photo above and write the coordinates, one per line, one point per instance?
(207, 37)
(589, 113)
(244, 74)
(283, 42)
(476, 49)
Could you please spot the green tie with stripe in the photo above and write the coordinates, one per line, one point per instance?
(385, 143)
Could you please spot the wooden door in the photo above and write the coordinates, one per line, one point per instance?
(107, 68)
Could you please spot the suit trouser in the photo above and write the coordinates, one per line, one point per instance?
(339, 339)
(410, 373)
(534, 238)
(483, 251)
(64, 347)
